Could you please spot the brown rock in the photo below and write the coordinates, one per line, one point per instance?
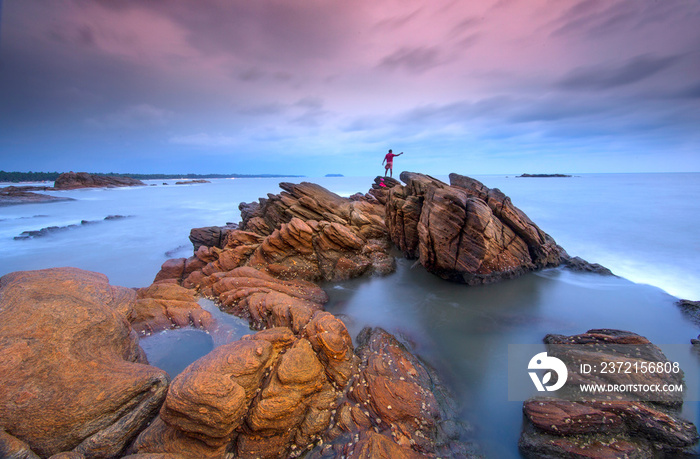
(171, 269)
(73, 376)
(73, 180)
(396, 396)
(601, 427)
(166, 305)
(14, 448)
(465, 232)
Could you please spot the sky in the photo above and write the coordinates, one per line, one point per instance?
(317, 87)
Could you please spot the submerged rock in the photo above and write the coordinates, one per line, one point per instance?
(581, 424)
(466, 232)
(12, 195)
(72, 376)
(74, 180)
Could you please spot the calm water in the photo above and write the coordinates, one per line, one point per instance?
(642, 226)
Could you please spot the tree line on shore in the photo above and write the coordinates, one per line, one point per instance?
(30, 176)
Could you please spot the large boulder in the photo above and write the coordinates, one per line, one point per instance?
(267, 395)
(638, 423)
(72, 376)
(466, 232)
(73, 180)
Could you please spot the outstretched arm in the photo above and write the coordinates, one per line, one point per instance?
(400, 154)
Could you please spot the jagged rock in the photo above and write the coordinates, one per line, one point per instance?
(581, 424)
(581, 265)
(308, 201)
(257, 397)
(465, 232)
(162, 306)
(72, 376)
(399, 398)
(74, 180)
(306, 232)
(381, 186)
(690, 309)
(210, 236)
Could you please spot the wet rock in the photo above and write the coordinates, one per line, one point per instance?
(690, 309)
(162, 306)
(210, 236)
(400, 399)
(257, 397)
(12, 195)
(72, 376)
(466, 232)
(191, 182)
(74, 180)
(580, 424)
(581, 265)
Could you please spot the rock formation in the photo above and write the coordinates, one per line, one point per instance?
(13, 195)
(305, 232)
(465, 232)
(395, 407)
(74, 180)
(636, 424)
(72, 376)
(165, 305)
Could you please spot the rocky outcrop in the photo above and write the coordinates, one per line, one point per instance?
(74, 180)
(465, 232)
(165, 305)
(637, 423)
(380, 188)
(211, 236)
(580, 265)
(268, 395)
(13, 195)
(49, 230)
(72, 376)
(395, 407)
(306, 232)
(690, 309)
(191, 182)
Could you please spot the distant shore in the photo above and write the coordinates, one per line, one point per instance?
(16, 177)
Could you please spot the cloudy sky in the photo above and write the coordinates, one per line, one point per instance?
(318, 86)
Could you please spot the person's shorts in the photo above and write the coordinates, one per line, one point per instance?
(389, 166)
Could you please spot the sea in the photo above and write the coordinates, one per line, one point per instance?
(643, 227)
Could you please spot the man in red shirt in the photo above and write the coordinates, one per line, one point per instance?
(389, 158)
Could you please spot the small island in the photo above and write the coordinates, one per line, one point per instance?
(542, 175)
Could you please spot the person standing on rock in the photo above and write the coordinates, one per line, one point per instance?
(389, 158)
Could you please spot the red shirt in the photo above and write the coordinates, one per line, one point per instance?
(390, 157)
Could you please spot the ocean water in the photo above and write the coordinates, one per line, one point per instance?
(641, 226)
